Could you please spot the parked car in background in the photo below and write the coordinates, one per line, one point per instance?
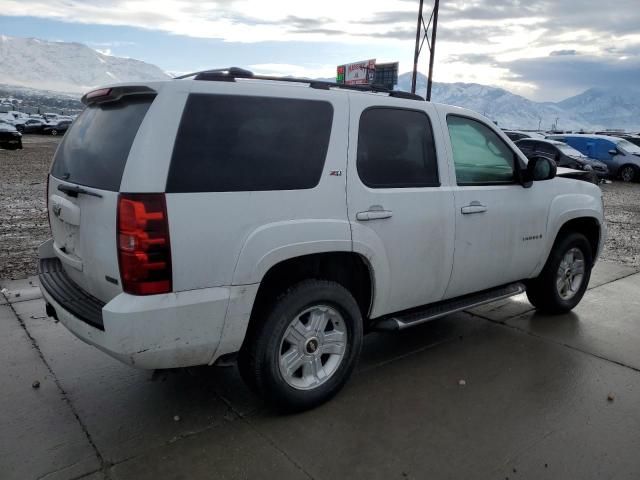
(564, 155)
(10, 138)
(621, 156)
(56, 128)
(516, 135)
(32, 125)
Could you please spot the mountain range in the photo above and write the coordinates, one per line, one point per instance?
(74, 68)
(66, 67)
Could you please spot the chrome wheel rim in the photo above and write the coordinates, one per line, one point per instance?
(313, 347)
(570, 274)
(627, 174)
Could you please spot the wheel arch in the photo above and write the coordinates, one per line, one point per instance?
(348, 269)
(588, 225)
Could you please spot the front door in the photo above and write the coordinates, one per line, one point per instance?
(500, 225)
(400, 210)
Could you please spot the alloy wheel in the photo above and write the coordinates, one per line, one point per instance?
(570, 274)
(313, 347)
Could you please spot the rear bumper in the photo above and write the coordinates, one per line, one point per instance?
(172, 330)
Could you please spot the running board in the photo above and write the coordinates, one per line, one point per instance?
(440, 309)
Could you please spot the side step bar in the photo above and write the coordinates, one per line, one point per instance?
(410, 318)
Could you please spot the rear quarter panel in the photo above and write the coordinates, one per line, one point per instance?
(232, 238)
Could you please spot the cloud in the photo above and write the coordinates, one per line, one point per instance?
(537, 47)
(566, 74)
(561, 53)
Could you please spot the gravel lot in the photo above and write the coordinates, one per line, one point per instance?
(23, 217)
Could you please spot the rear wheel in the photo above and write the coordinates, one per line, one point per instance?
(305, 348)
(565, 277)
(628, 173)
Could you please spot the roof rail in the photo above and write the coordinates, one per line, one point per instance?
(230, 74)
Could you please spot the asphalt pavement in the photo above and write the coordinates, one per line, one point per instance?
(497, 392)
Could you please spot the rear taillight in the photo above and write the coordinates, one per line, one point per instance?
(144, 251)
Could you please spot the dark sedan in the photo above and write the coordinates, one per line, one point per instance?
(10, 138)
(57, 128)
(33, 125)
(563, 155)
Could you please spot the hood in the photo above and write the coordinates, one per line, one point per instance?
(5, 127)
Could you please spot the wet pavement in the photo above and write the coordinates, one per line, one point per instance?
(534, 403)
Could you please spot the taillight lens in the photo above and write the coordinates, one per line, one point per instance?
(144, 251)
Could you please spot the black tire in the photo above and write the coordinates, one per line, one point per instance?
(628, 173)
(54, 132)
(543, 292)
(259, 357)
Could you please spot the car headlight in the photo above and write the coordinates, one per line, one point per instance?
(587, 168)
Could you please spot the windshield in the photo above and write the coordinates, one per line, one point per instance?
(628, 147)
(570, 151)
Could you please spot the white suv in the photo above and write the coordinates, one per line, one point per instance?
(275, 221)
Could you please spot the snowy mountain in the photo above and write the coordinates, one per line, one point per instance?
(66, 67)
(506, 108)
(615, 108)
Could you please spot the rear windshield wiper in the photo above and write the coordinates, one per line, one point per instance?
(74, 191)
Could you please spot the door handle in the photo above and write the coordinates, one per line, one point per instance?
(375, 212)
(474, 207)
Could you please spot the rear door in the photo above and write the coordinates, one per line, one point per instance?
(399, 203)
(83, 191)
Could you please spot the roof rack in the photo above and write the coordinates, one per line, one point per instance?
(230, 74)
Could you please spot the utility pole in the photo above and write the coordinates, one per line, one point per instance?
(422, 34)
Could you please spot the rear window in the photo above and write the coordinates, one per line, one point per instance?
(230, 143)
(94, 150)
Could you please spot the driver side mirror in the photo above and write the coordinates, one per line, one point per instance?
(538, 169)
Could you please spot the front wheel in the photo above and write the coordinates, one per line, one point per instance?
(628, 173)
(565, 277)
(305, 348)
(54, 132)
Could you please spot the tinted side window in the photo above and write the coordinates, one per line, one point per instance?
(480, 156)
(547, 149)
(94, 150)
(396, 149)
(230, 143)
(527, 147)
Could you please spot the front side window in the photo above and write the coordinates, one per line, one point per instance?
(231, 143)
(480, 156)
(396, 149)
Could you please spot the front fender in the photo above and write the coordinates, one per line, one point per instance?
(275, 242)
(567, 207)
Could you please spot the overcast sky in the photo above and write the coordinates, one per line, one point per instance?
(544, 50)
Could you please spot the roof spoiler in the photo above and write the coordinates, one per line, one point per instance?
(114, 94)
